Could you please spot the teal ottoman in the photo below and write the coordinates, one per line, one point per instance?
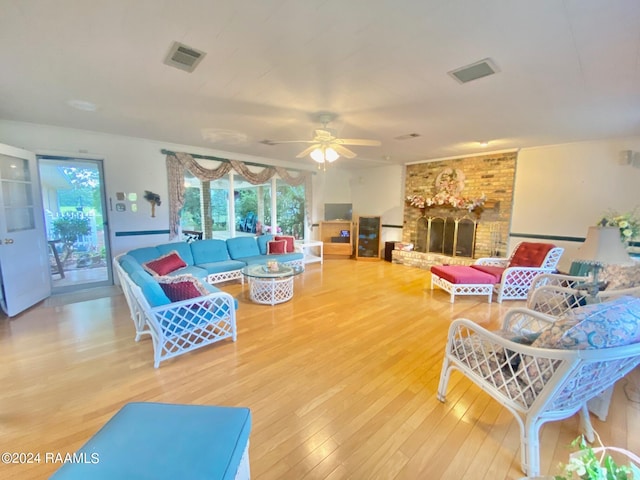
(164, 441)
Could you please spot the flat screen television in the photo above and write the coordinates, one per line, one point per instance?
(337, 211)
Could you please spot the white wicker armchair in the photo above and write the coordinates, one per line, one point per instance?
(516, 281)
(536, 385)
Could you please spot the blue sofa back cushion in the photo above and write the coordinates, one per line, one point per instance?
(129, 264)
(240, 247)
(144, 254)
(183, 249)
(150, 289)
(208, 251)
(262, 241)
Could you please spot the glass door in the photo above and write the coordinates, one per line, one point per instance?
(73, 198)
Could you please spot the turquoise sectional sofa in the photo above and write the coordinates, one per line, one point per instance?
(180, 326)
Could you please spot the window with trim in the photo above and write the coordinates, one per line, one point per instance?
(251, 204)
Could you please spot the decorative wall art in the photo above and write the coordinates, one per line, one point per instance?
(153, 199)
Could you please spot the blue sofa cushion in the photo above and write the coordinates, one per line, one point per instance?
(144, 254)
(197, 272)
(195, 441)
(241, 247)
(150, 289)
(183, 249)
(262, 241)
(226, 266)
(210, 250)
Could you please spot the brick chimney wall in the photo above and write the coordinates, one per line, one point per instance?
(492, 175)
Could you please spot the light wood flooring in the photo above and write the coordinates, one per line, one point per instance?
(341, 382)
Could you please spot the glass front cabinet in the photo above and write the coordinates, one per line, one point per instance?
(368, 238)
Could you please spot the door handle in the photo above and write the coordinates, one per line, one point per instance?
(8, 241)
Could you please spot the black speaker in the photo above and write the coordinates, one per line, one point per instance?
(388, 249)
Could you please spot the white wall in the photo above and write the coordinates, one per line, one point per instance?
(380, 191)
(561, 190)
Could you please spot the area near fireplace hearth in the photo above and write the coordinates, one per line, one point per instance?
(445, 230)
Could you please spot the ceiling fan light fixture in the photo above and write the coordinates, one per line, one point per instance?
(331, 155)
(317, 155)
(323, 154)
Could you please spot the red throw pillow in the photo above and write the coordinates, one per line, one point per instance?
(165, 264)
(276, 246)
(289, 239)
(182, 287)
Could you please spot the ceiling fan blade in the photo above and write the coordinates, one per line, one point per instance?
(358, 141)
(344, 151)
(307, 150)
(278, 142)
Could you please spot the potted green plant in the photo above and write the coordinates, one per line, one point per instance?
(590, 463)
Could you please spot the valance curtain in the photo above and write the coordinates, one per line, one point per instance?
(178, 162)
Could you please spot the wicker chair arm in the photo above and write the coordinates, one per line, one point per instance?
(192, 303)
(610, 294)
(463, 328)
(558, 279)
(492, 262)
(525, 321)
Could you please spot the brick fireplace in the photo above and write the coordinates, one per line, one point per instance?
(443, 234)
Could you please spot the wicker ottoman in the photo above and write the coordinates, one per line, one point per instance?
(163, 441)
(463, 280)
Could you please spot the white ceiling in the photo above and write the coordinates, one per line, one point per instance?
(569, 71)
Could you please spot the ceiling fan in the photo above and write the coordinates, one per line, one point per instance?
(325, 145)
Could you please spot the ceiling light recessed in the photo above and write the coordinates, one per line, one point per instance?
(83, 105)
(484, 144)
(407, 136)
(480, 69)
(184, 57)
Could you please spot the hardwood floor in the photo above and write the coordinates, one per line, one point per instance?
(341, 382)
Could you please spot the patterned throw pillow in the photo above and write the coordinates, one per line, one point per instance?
(276, 246)
(182, 287)
(618, 277)
(602, 325)
(165, 264)
(290, 242)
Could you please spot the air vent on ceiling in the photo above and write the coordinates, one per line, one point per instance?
(480, 69)
(184, 57)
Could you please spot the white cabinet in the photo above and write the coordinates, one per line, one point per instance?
(312, 250)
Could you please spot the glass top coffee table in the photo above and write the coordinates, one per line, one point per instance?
(269, 286)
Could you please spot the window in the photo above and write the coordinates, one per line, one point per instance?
(251, 204)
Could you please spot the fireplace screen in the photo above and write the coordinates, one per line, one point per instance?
(449, 236)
